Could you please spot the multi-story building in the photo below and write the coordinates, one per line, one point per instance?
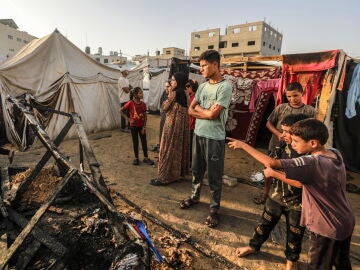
(173, 52)
(249, 39)
(113, 58)
(11, 39)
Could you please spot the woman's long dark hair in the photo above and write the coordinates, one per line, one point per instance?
(181, 80)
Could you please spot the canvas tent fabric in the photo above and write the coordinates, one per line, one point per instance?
(59, 75)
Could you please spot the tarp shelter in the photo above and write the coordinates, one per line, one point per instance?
(322, 75)
(59, 75)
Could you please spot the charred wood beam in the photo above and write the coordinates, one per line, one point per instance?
(3, 243)
(5, 183)
(41, 134)
(46, 109)
(26, 256)
(3, 210)
(28, 228)
(25, 185)
(38, 234)
(89, 154)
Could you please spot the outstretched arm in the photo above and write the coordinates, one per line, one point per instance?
(269, 172)
(256, 154)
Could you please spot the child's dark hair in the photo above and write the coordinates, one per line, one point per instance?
(310, 129)
(295, 86)
(211, 56)
(193, 84)
(134, 92)
(291, 119)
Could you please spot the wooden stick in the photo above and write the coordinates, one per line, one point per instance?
(25, 232)
(38, 234)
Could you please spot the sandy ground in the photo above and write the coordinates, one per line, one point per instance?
(239, 215)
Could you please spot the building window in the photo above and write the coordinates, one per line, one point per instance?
(10, 37)
(252, 28)
(18, 39)
(269, 46)
(265, 29)
(197, 35)
(222, 44)
(210, 47)
(278, 50)
(211, 34)
(251, 42)
(11, 50)
(168, 52)
(25, 41)
(275, 35)
(196, 49)
(271, 33)
(235, 44)
(264, 43)
(106, 60)
(97, 59)
(236, 30)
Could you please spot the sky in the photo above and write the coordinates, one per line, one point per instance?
(141, 26)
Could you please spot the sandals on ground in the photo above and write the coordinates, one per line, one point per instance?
(185, 204)
(157, 182)
(261, 199)
(212, 220)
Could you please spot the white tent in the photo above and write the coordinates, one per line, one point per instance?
(59, 75)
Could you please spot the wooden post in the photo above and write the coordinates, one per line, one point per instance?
(38, 234)
(89, 154)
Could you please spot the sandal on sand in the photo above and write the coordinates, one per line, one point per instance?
(185, 204)
(157, 182)
(261, 199)
(212, 220)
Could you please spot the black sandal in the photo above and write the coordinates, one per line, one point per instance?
(187, 203)
(157, 182)
(212, 220)
(261, 199)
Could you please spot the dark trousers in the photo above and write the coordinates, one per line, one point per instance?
(270, 217)
(123, 123)
(4, 151)
(324, 253)
(136, 133)
(208, 153)
(191, 144)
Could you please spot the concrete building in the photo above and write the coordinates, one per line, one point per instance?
(173, 52)
(113, 58)
(11, 39)
(249, 39)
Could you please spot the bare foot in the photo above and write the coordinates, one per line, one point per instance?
(291, 265)
(244, 251)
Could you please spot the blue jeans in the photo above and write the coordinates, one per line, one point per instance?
(208, 154)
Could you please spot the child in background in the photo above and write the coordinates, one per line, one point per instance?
(137, 120)
(294, 93)
(191, 87)
(326, 212)
(283, 199)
